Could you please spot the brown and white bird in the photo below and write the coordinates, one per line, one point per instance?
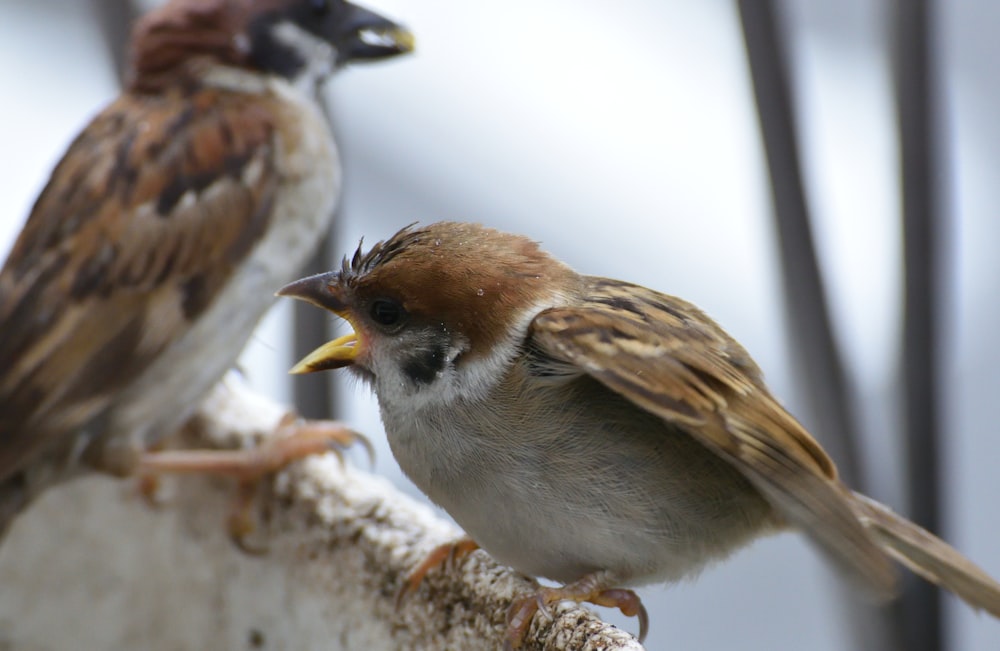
(156, 245)
(589, 430)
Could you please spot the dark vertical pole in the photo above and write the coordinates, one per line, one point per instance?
(313, 394)
(919, 177)
(814, 350)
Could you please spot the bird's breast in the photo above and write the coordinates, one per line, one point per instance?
(566, 481)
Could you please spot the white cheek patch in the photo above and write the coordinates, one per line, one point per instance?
(479, 377)
(460, 380)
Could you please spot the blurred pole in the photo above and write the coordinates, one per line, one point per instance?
(914, 86)
(313, 393)
(815, 354)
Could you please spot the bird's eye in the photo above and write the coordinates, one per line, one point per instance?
(387, 312)
(320, 7)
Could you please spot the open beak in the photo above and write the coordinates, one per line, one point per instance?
(334, 354)
(365, 35)
(323, 290)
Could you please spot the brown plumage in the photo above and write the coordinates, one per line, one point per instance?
(109, 268)
(156, 244)
(593, 431)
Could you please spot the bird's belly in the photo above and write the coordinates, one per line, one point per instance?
(579, 530)
(648, 505)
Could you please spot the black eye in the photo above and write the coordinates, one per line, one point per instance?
(386, 312)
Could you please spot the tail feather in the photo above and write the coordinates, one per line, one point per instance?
(928, 556)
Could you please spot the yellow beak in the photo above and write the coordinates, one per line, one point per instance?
(334, 354)
(321, 291)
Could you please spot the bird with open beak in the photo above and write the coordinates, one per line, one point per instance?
(589, 430)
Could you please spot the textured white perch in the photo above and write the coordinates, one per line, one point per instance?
(92, 567)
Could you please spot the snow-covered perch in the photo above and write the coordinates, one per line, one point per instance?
(92, 566)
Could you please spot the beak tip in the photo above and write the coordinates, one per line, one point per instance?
(405, 40)
(286, 291)
(294, 288)
(371, 36)
(313, 289)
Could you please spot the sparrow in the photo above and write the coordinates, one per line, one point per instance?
(156, 245)
(588, 430)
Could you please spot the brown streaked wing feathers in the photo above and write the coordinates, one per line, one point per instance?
(667, 357)
(89, 295)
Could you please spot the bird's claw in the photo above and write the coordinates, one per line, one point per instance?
(523, 609)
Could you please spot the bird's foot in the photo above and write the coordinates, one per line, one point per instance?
(293, 440)
(591, 588)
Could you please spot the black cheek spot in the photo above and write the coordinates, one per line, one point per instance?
(269, 54)
(424, 365)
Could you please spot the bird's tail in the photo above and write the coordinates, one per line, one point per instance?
(928, 556)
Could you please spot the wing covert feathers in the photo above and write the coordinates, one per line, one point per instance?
(670, 359)
(144, 220)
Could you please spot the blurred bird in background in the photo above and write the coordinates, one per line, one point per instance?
(158, 242)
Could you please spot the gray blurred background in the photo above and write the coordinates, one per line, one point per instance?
(624, 136)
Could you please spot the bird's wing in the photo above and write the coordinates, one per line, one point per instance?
(142, 222)
(668, 358)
